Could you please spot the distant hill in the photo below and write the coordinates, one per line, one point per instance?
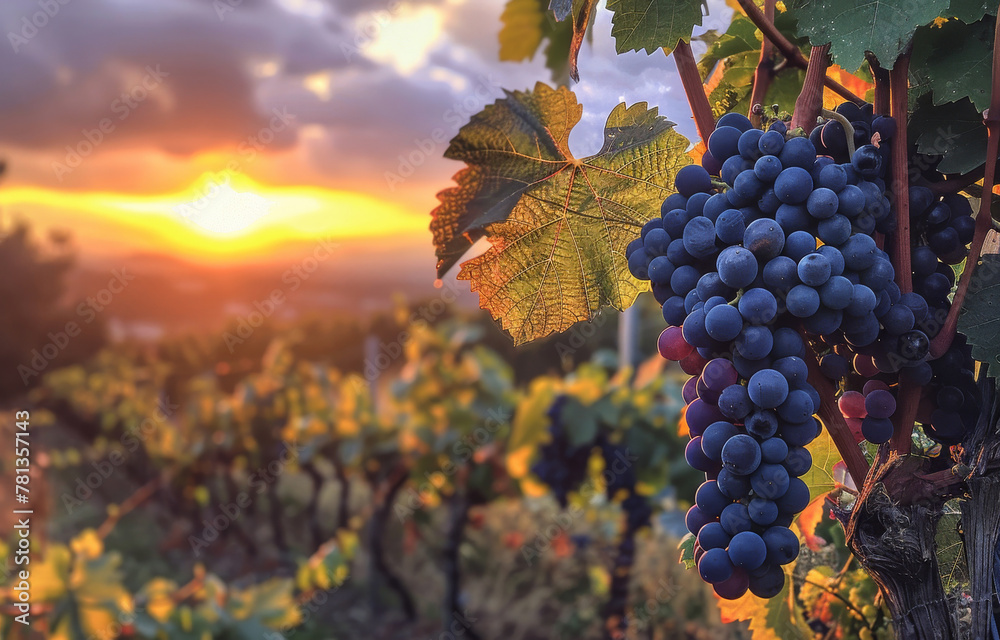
(166, 294)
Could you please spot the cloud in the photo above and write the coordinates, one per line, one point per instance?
(374, 88)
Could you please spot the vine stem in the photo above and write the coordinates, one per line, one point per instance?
(908, 395)
(694, 90)
(881, 104)
(789, 50)
(142, 494)
(764, 72)
(809, 104)
(834, 421)
(943, 340)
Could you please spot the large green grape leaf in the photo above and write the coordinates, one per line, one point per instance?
(954, 130)
(969, 11)
(820, 477)
(653, 24)
(558, 225)
(980, 317)
(955, 61)
(852, 27)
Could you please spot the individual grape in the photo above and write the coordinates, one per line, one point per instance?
(684, 279)
(754, 342)
(773, 450)
(768, 584)
(792, 218)
(737, 267)
(880, 404)
(852, 405)
(741, 455)
(862, 302)
(710, 499)
(834, 231)
(730, 226)
(758, 306)
(770, 481)
(723, 323)
(782, 545)
(696, 458)
(767, 168)
(798, 461)
(834, 366)
(737, 120)
(822, 203)
(733, 485)
(700, 414)
(699, 237)
(747, 550)
(768, 388)
(724, 142)
(793, 185)
(796, 498)
(713, 536)
(715, 438)
(802, 301)
(692, 179)
(814, 269)
(690, 390)
(734, 587)
(762, 511)
(836, 293)
(763, 424)
(764, 238)
(734, 402)
(797, 408)
(781, 273)
(798, 152)
(800, 434)
(674, 312)
(876, 430)
(852, 201)
(715, 566)
(736, 519)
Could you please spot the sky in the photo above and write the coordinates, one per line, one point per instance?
(215, 129)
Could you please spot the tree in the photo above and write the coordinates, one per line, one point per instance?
(560, 227)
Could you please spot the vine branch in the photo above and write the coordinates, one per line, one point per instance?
(764, 72)
(789, 50)
(941, 342)
(694, 90)
(881, 77)
(810, 101)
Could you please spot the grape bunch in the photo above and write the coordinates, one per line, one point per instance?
(563, 465)
(782, 247)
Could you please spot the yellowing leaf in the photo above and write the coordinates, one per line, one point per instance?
(777, 618)
(558, 226)
(820, 478)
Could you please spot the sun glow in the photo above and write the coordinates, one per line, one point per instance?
(218, 218)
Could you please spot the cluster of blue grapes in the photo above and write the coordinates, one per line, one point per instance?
(787, 246)
(563, 466)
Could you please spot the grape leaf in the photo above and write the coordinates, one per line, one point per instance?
(820, 478)
(980, 316)
(686, 548)
(529, 23)
(558, 226)
(776, 618)
(853, 27)
(969, 11)
(954, 130)
(653, 24)
(955, 61)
